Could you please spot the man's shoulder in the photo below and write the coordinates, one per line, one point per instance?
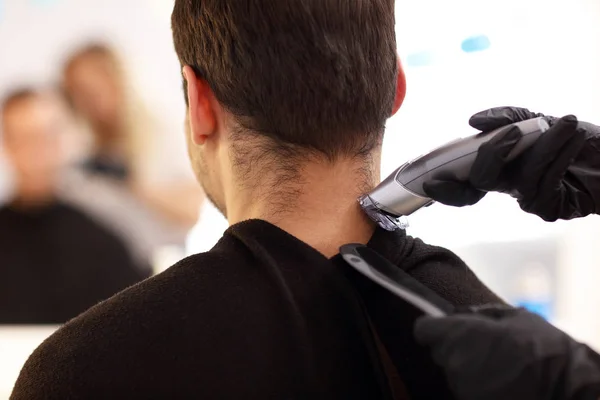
(119, 333)
(155, 299)
(436, 267)
(410, 252)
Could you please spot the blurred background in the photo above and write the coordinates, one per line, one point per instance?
(92, 152)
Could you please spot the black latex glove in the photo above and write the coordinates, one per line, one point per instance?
(557, 178)
(502, 353)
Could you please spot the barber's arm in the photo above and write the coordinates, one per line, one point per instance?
(499, 353)
(503, 353)
(557, 178)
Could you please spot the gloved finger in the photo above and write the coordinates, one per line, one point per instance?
(565, 158)
(500, 116)
(494, 311)
(549, 198)
(452, 193)
(460, 343)
(591, 130)
(538, 159)
(433, 331)
(429, 330)
(492, 158)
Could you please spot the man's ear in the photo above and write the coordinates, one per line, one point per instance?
(202, 118)
(400, 88)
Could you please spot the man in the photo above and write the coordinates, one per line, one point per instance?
(287, 103)
(55, 261)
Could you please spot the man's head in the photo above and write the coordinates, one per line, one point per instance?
(274, 85)
(32, 126)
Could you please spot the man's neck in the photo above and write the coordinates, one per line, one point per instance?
(323, 211)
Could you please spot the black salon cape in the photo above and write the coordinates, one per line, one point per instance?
(260, 316)
(55, 263)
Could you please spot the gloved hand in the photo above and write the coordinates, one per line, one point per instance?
(497, 352)
(557, 178)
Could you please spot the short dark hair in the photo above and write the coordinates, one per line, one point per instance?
(314, 74)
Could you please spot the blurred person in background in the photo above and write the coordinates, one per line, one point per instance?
(125, 137)
(55, 260)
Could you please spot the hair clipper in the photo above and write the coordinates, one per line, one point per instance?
(401, 193)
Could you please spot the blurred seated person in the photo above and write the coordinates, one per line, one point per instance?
(55, 261)
(126, 138)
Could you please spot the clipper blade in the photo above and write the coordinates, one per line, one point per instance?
(383, 219)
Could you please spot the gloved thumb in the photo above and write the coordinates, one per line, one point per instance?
(430, 330)
(498, 117)
(452, 193)
(433, 331)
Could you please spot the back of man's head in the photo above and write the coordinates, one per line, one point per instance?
(319, 75)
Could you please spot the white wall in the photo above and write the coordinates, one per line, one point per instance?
(544, 54)
(34, 39)
(37, 35)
